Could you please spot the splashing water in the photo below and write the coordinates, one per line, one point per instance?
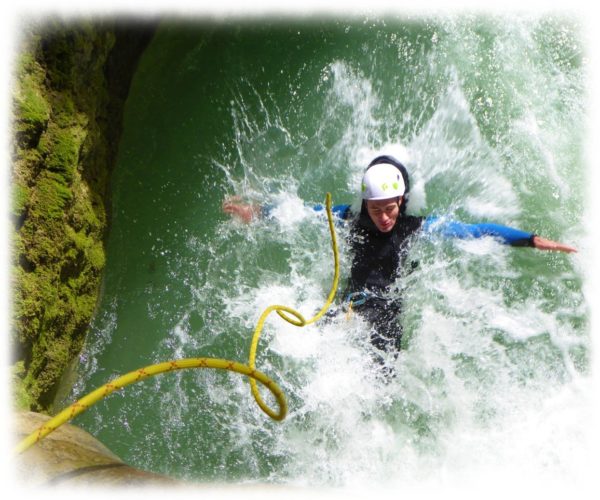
(494, 375)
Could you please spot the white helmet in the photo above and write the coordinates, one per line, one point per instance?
(382, 181)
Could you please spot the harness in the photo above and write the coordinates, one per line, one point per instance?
(359, 298)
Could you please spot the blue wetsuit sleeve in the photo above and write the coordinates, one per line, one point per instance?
(454, 229)
(266, 210)
(339, 211)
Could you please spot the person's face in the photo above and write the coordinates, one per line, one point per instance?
(384, 213)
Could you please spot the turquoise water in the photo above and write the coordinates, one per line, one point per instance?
(487, 113)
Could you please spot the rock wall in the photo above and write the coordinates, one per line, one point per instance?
(70, 83)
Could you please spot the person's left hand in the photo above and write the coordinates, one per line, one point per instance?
(545, 244)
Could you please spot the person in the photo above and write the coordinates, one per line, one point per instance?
(380, 236)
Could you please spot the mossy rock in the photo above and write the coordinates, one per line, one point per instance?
(55, 287)
(20, 200)
(66, 122)
(60, 148)
(50, 197)
(32, 108)
(21, 398)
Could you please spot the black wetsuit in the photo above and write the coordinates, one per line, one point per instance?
(376, 263)
(378, 257)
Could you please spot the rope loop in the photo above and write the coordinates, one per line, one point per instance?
(287, 313)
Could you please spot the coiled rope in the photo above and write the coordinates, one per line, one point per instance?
(287, 313)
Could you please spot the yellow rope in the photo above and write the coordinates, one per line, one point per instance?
(299, 320)
(137, 375)
(223, 364)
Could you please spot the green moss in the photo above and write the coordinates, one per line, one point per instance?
(65, 110)
(60, 147)
(33, 110)
(65, 126)
(56, 269)
(21, 398)
(88, 214)
(28, 306)
(97, 256)
(51, 196)
(20, 199)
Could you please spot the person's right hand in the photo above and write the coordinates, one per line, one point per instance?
(244, 211)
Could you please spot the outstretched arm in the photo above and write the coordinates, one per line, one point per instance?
(544, 244)
(508, 235)
(244, 211)
(247, 212)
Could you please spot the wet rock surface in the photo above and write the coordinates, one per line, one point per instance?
(72, 456)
